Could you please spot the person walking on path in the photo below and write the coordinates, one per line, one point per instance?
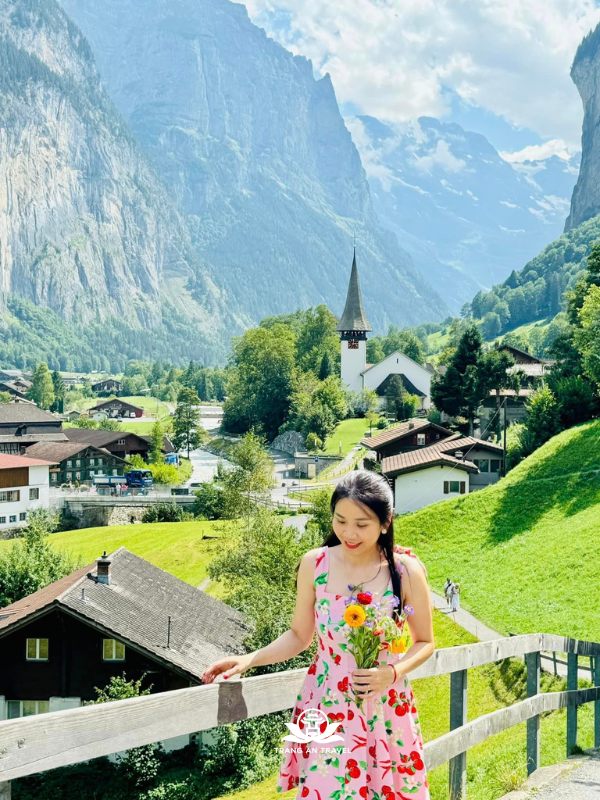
(448, 590)
(455, 596)
(381, 754)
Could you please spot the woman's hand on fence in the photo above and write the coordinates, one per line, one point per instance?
(228, 667)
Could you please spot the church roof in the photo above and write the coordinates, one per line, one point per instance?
(353, 317)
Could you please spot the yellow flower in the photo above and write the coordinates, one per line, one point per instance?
(355, 616)
(398, 646)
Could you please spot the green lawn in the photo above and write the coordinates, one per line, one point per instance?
(350, 432)
(181, 548)
(525, 551)
(149, 404)
(145, 428)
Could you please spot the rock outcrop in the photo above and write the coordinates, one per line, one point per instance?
(257, 155)
(585, 72)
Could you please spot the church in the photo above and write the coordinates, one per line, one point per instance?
(356, 373)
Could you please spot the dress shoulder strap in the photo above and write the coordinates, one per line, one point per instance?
(406, 551)
(321, 568)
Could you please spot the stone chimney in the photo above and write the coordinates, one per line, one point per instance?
(103, 564)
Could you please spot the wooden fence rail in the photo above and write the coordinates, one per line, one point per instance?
(38, 743)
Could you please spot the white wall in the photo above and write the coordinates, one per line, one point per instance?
(396, 364)
(38, 479)
(414, 490)
(353, 363)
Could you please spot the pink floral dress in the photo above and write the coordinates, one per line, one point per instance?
(383, 743)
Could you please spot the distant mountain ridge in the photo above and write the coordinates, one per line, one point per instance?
(466, 215)
(256, 154)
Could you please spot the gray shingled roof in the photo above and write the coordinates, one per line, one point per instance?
(58, 451)
(135, 608)
(31, 438)
(24, 412)
(353, 317)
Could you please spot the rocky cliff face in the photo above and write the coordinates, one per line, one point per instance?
(466, 216)
(585, 72)
(86, 227)
(256, 154)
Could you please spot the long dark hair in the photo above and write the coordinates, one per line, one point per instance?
(373, 491)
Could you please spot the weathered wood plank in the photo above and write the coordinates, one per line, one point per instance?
(458, 717)
(533, 725)
(445, 747)
(571, 710)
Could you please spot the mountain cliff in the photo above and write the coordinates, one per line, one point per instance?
(466, 215)
(585, 73)
(87, 229)
(256, 154)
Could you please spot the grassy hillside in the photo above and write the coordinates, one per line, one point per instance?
(525, 551)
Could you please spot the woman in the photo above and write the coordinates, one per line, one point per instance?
(456, 597)
(381, 754)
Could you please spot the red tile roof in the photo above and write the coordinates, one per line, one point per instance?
(10, 462)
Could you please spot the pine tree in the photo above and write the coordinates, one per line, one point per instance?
(42, 388)
(156, 443)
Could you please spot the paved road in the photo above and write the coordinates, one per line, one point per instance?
(580, 783)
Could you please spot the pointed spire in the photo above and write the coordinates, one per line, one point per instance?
(353, 317)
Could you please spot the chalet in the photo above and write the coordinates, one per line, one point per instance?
(411, 435)
(107, 386)
(76, 461)
(23, 424)
(23, 488)
(356, 373)
(17, 388)
(457, 465)
(118, 615)
(12, 375)
(118, 408)
(120, 443)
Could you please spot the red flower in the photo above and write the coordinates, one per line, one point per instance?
(365, 598)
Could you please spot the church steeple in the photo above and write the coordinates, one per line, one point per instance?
(353, 318)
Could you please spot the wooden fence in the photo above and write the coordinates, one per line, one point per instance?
(43, 742)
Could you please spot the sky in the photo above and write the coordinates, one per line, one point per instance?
(498, 67)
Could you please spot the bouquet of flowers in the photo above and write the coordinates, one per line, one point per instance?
(371, 630)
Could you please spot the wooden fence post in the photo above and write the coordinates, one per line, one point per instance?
(533, 725)
(572, 673)
(596, 682)
(458, 717)
(5, 791)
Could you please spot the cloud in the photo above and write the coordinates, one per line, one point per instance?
(440, 157)
(396, 59)
(539, 152)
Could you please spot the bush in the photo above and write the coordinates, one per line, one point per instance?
(209, 502)
(164, 512)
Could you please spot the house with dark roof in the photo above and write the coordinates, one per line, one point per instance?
(107, 386)
(118, 408)
(120, 443)
(17, 388)
(118, 615)
(413, 434)
(454, 466)
(356, 374)
(76, 461)
(23, 424)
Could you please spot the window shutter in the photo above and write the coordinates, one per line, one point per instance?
(462, 487)
(446, 487)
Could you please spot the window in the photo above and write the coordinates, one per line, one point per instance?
(99, 462)
(2, 520)
(495, 465)
(22, 516)
(92, 462)
(34, 494)
(120, 441)
(69, 463)
(26, 708)
(420, 438)
(54, 477)
(437, 436)
(115, 472)
(12, 518)
(77, 476)
(10, 497)
(37, 650)
(484, 465)
(69, 475)
(451, 487)
(78, 462)
(112, 650)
